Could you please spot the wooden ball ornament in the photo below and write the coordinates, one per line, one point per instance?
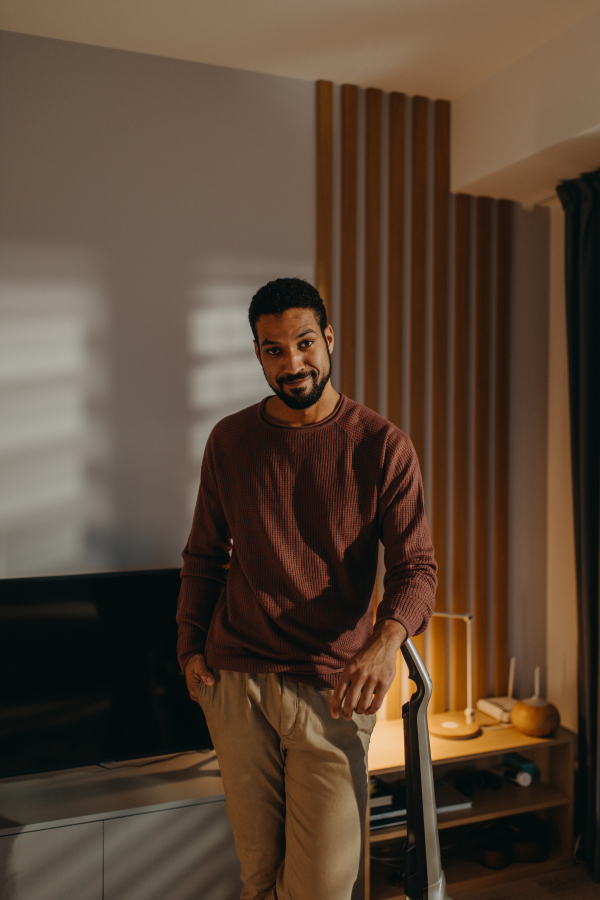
(535, 716)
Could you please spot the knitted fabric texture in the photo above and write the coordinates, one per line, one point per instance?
(279, 570)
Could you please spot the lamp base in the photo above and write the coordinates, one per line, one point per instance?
(452, 726)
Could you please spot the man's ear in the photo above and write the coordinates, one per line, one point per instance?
(257, 351)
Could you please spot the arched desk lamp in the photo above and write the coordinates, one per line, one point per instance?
(458, 725)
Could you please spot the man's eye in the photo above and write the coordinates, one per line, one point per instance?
(306, 343)
(272, 351)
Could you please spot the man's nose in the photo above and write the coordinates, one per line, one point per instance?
(295, 362)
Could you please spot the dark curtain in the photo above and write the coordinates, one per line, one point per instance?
(581, 202)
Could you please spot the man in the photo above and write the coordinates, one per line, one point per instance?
(275, 616)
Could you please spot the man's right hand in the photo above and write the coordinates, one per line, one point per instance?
(196, 671)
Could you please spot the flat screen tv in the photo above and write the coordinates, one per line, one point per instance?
(89, 673)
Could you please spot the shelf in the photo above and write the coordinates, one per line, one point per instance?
(554, 758)
(467, 875)
(386, 750)
(489, 804)
(88, 793)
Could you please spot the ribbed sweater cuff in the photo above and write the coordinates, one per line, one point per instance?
(409, 611)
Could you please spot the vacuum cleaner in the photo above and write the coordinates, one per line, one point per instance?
(423, 875)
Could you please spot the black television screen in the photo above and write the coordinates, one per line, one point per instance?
(89, 672)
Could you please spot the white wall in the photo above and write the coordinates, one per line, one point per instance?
(143, 202)
(536, 122)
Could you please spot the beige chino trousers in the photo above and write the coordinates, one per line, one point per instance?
(295, 783)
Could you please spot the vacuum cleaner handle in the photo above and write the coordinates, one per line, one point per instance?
(423, 875)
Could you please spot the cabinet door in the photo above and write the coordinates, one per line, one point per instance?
(179, 854)
(55, 864)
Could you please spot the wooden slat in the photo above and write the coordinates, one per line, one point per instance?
(481, 465)
(395, 304)
(418, 275)
(395, 298)
(324, 249)
(372, 246)
(418, 282)
(501, 423)
(489, 399)
(348, 239)
(460, 443)
(439, 486)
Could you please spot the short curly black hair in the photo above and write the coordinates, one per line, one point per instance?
(286, 293)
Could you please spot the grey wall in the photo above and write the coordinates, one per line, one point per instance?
(143, 202)
(528, 447)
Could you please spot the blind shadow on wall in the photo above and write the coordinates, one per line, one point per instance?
(144, 201)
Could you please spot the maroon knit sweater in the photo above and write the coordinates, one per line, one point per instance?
(305, 508)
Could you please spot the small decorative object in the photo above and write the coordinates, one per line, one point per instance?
(514, 760)
(535, 716)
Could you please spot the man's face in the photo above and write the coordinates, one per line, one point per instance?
(295, 356)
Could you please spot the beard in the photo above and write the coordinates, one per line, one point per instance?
(303, 397)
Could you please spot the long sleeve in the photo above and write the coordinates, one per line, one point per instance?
(410, 579)
(205, 563)
(279, 569)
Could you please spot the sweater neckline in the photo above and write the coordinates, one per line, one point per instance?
(313, 426)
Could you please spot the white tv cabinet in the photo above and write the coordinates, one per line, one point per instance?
(136, 830)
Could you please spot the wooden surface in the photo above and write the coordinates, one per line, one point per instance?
(420, 238)
(464, 877)
(481, 462)
(460, 444)
(372, 247)
(348, 239)
(439, 391)
(501, 444)
(324, 249)
(482, 413)
(571, 883)
(386, 752)
(511, 800)
(395, 299)
(418, 274)
(93, 791)
(552, 794)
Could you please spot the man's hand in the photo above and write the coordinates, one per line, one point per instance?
(196, 671)
(366, 679)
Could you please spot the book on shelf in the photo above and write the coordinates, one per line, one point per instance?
(389, 808)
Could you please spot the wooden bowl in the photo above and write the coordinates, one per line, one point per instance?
(537, 719)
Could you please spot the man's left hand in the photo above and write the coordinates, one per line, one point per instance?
(366, 679)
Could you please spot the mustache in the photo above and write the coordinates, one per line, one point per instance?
(291, 379)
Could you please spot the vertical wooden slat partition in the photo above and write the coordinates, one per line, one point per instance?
(455, 378)
(372, 246)
(481, 462)
(418, 282)
(501, 460)
(395, 285)
(439, 390)
(460, 444)
(324, 249)
(418, 272)
(348, 244)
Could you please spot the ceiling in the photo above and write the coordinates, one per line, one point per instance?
(440, 48)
